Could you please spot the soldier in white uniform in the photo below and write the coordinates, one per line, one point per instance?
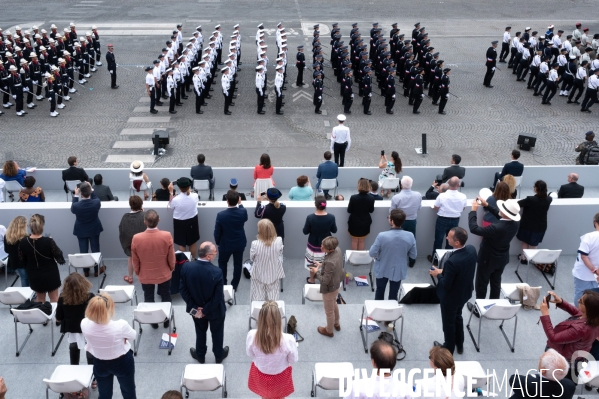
(170, 89)
(225, 85)
(204, 80)
(178, 83)
(151, 88)
(260, 88)
(505, 45)
(279, 89)
(237, 32)
(258, 32)
(579, 80)
(157, 73)
(197, 88)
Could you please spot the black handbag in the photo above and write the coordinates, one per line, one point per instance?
(390, 339)
(292, 329)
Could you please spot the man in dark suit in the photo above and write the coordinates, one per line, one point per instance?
(454, 287)
(572, 189)
(494, 250)
(551, 383)
(103, 192)
(374, 188)
(434, 190)
(327, 170)
(111, 66)
(87, 224)
(201, 288)
(454, 170)
(203, 172)
(229, 235)
(73, 172)
(514, 168)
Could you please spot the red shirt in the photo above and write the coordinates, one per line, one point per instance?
(261, 173)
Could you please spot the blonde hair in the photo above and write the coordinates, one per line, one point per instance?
(442, 359)
(17, 229)
(36, 224)
(269, 333)
(266, 232)
(511, 182)
(330, 243)
(100, 309)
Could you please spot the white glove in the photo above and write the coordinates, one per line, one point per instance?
(50, 99)
(369, 94)
(117, 65)
(393, 96)
(85, 62)
(352, 96)
(422, 96)
(35, 82)
(320, 97)
(111, 72)
(493, 69)
(14, 96)
(262, 94)
(447, 96)
(25, 89)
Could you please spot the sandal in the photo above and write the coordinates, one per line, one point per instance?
(94, 384)
(128, 279)
(310, 282)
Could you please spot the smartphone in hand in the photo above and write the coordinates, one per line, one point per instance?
(548, 298)
(193, 312)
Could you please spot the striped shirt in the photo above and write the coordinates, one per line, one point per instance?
(268, 261)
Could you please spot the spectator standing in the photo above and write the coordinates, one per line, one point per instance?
(374, 188)
(264, 170)
(553, 369)
(494, 250)
(229, 235)
(391, 169)
(153, 258)
(204, 172)
(360, 207)
(454, 287)
(17, 230)
(31, 193)
(587, 262)
(39, 255)
(514, 168)
(162, 193)
(318, 226)
(502, 193)
(410, 202)
(303, 191)
(391, 251)
(70, 311)
(533, 223)
(73, 172)
(327, 169)
(330, 273)
(266, 252)
(131, 224)
(449, 206)
(582, 147)
(202, 290)
(454, 170)
(340, 140)
(109, 342)
(185, 216)
(572, 189)
(12, 172)
(273, 354)
(87, 227)
(233, 185)
(273, 210)
(103, 191)
(138, 176)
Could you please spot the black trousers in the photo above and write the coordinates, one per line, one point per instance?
(590, 98)
(389, 102)
(541, 79)
(19, 99)
(260, 100)
(568, 81)
(347, 102)
(279, 102)
(5, 96)
(164, 290)
(199, 101)
(178, 93)
(513, 53)
(152, 98)
(227, 101)
(171, 106)
(443, 100)
(52, 97)
(505, 51)
(112, 78)
(489, 75)
(577, 85)
(453, 326)
(217, 331)
(163, 87)
(417, 102)
(366, 103)
(158, 93)
(485, 274)
(29, 92)
(550, 91)
(522, 70)
(534, 71)
(300, 76)
(317, 103)
(339, 152)
(75, 352)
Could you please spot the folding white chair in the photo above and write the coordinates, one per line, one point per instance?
(11, 186)
(142, 188)
(204, 377)
(203, 185)
(261, 186)
(589, 375)
(541, 256)
(381, 311)
(519, 184)
(475, 371)
(154, 313)
(72, 186)
(390, 183)
(14, 296)
(4, 263)
(34, 316)
(510, 291)
(312, 293)
(359, 258)
(67, 379)
(255, 313)
(494, 309)
(327, 375)
(89, 260)
(229, 293)
(121, 293)
(405, 288)
(328, 184)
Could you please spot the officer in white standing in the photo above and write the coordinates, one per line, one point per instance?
(340, 140)
(260, 88)
(151, 88)
(279, 89)
(226, 85)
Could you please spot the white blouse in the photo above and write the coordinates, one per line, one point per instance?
(107, 341)
(184, 206)
(274, 363)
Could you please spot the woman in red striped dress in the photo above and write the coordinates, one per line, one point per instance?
(272, 352)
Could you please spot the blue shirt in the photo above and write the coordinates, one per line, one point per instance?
(300, 193)
(390, 251)
(19, 177)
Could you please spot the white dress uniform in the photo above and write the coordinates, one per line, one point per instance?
(170, 89)
(594, 65)
(506, 37)
(557, 42)
(260, 82)
(279, 90)
(575, 52)
(567, 45)
(339, 137)
(170, 55)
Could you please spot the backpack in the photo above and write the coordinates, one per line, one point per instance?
(591, 156)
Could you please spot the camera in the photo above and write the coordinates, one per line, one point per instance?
(382, 152)
(174, 183)
(263, 193)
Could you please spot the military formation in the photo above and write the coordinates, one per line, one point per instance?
(412, 61)
(280, 68)
(36, 64)
(551, 63)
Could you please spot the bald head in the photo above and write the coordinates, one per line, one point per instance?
(443, 187)
(206, 249)
(454, 183)
(573, 177)
(383, 355)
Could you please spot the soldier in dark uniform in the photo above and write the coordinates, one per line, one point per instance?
(414, 71)
(51, 90)
(348, 93)
(415, 32)
(390, 91)
(364, 63)
(27, 84)
(35, 70)
(406, 74)
(387, 63)
(373, 32)
(5, 86)
(366, 90)
(318, 91)
(444, 90)
(491, 62)
(433, 90)
(16, 88)
(97, 46)
(418, 90)
(428, 58)
(111, 66)
(404, 55)
(300, 64)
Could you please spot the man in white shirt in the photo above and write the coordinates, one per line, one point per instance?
(340, 140)
(449, 205)
(505, 45)
(383, 357)
(590, 96)
(587, 262)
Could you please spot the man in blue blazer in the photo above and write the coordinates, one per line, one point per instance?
(86, 206)
(201, 287)
(514, 168)
(327, 170)
(229, 235)
(454, 287)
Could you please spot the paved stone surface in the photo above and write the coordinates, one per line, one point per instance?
(482, 125)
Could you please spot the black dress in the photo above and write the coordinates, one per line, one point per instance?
(274, 215)
(360, 207)
(71, 315)
(40, 256)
